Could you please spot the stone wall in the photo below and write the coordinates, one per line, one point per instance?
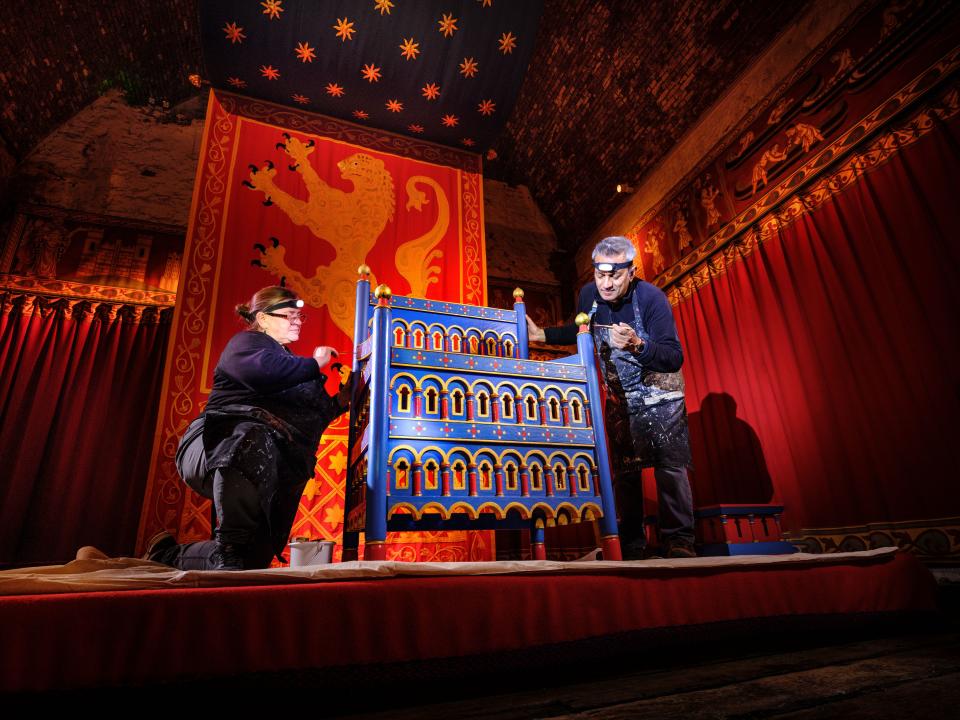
(522, 252)
(117, 160)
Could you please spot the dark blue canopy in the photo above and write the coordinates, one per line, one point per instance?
(447, 71)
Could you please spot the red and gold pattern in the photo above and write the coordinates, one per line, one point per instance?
(76, 291)
(218, 273)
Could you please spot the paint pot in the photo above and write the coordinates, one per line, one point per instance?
(311, 552)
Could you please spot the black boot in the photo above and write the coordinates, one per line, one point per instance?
(227, 556)
(160, 545)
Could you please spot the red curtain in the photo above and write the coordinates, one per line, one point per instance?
(78, 394)
(822, 369)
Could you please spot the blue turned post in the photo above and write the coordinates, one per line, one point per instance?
(361, 315)
(376, 528)
(608, 523)
(351, 540)
(523, 342)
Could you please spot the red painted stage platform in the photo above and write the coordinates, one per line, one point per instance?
(139, 623)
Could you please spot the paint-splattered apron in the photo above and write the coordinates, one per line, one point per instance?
(645, 411)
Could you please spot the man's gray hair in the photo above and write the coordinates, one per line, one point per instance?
(615, 245)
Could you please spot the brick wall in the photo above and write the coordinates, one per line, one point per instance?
(56, 56)
(611, 88)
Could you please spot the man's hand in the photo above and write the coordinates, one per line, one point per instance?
(625, 337)
(322, 354)
(534, 332)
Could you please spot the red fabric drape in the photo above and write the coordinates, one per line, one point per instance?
(158, 636)
(78, 391)
(822, 369)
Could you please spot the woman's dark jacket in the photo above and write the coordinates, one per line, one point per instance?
(265, 415)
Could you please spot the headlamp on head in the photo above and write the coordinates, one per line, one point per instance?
(283, 304)
(612, 267)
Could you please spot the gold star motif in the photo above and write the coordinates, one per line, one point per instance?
(311, 489)
(345, 29)
(486, 107)
(508, 42)
(410, 49)
(234, 33)
(450, 120)
(383, 6)
(304, 52)
(272, 8)
(394, 105)
(448, 25)
(360, 115)
(269, 72)
(338, 462)
(371, 73)
(237, 82)
(302, 99)
(415, 128)
(333, 515)
(431, 91)
(468, 142)
(334, 90)
(469, 67)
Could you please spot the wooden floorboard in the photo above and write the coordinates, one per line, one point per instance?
(775, 695)
(812, 682)
(936, 697)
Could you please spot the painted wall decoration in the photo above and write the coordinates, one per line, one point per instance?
(543, 300)
(88, 256)
(846, 92)
(286, 196)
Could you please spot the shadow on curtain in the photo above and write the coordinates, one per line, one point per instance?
(839, 340)
(78, 399)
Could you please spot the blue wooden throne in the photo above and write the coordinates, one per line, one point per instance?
(453, 427)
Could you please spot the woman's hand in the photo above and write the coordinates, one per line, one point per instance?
(322, 354)
(343, 395)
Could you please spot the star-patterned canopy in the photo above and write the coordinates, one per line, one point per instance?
(447, 71)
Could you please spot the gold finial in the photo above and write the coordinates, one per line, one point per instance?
(518, 295)
(363, 270)
(382, 291)
(581, 319)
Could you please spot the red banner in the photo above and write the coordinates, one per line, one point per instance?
(285, 196)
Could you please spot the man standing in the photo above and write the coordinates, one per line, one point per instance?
(640, 357)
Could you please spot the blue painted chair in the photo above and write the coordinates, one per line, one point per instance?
(453, 427)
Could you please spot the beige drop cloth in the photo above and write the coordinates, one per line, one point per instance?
(93, 571)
